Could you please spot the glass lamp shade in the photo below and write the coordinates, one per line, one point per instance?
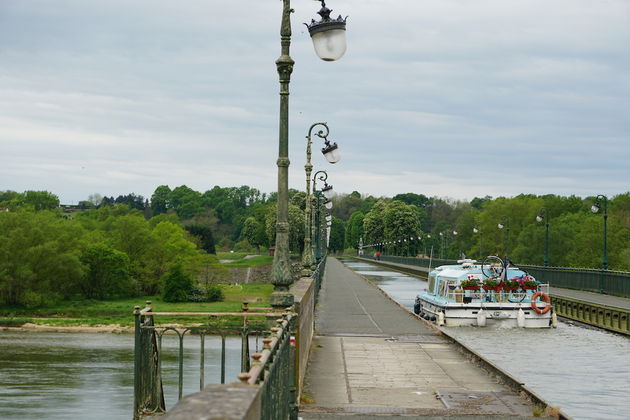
(328, 218)
(328, 204)
(331, 153)
(500, 226)
(539, 218)
(454, 232)
(330, 44)
(475, 230)
(327, 191)
(595, 208)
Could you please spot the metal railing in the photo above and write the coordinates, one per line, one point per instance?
(148, 387)
(594, 280)
(273, 369)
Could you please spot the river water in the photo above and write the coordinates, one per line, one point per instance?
(74, 376)
(585, 371)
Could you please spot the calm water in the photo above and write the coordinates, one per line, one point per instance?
(72, 376)
(584, 371)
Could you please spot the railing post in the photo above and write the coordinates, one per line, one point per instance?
(136, 362)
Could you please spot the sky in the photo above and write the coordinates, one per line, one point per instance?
(449, 98)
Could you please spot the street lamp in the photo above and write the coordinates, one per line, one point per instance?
(331, 152)
(505, 223)
(316, 227)
(542, 215)
(595, 209)
(475, 230)
(331, 49)
(328, 35)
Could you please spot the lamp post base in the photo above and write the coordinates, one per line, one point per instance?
(281, 299)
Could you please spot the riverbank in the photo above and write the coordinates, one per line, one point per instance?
(117, 315)
(110, 329)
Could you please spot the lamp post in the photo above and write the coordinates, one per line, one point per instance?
(331, 152)
(316, 227)
(542, 215)
(328, 37)
(595, 209)
(505, 223)
(475, 230)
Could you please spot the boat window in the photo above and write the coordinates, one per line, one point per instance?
(431, 283)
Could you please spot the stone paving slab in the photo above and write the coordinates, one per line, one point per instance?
(372, 357)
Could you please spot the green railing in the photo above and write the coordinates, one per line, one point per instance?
(276, 370)
(420, 262)
(148, 389)
(273, 370)
(600, 281)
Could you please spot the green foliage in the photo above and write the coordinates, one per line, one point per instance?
(29, 200)
(337, 235)
(204, 235)
(39, 257)
(177, 285)
(354, 230)
(208, 293)
(107, 273)
(296, 227)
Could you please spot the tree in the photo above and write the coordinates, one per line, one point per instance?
(39, 257)
(254, 232)
(354, 230)
(177, 285)
(296, 227)
(186, 202)
(107, 273)
(373, 226)
(337, 235)
(204, 236)
(161, 200)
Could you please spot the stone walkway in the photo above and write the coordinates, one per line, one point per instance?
(372, 358)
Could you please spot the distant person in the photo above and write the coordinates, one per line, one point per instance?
(378, 256)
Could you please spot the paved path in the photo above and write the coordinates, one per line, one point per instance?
(372, 358)
(597, 298)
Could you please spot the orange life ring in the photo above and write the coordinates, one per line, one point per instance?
(547, 300)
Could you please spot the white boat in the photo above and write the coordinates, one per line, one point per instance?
(491, 293)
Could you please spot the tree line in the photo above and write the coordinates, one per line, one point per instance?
(127, 245)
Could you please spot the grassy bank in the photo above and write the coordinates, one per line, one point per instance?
(120, 312)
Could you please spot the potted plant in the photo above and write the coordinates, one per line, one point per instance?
(528, 283)
(470, 283)
(489, 284)
(511, 284)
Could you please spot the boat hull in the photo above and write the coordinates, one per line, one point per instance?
(501, 315)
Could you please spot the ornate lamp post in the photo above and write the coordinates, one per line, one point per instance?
(316, 227)
(331, 152)
(539, 218)
(329, 41)
(505, 223)
(595, 209)
(475, 230)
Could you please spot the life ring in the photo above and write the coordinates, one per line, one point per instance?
(547, 300)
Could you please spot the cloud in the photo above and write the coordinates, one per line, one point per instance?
(440, 97)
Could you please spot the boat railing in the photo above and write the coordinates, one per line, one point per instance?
(518, 295)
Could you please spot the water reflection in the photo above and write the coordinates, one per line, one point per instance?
(69, 375)
(583, 370)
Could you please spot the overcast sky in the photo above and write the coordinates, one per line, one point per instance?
(449, 98)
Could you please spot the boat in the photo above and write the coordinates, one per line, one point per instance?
(493, 293)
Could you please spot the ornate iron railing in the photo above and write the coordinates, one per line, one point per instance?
(148, 387)
(273, 369)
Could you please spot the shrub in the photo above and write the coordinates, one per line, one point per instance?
(177, 285)
(211, 293)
